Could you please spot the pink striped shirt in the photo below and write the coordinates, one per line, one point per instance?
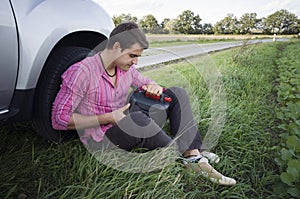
(87, 89)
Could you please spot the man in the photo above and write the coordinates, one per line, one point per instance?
(93, 97)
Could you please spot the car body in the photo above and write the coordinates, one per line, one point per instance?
(32, 34)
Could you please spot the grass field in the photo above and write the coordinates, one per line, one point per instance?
(31, 167)
(172, 37)
(160, 40)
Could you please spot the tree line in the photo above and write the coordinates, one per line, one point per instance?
(280, 22)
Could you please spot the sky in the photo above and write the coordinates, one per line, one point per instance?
(210, 11)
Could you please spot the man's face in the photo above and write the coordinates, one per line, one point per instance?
(128, 57)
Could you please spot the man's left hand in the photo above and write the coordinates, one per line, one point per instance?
(153, 89)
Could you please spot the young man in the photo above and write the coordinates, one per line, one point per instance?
(93, 97)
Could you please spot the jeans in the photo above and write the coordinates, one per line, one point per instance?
(137, 130)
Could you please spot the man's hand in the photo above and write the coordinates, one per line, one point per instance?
(78, 121)
(153, 89)
(119, 113)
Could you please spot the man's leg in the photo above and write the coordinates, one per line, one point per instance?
(183, 125)
(187, 136)
(137, 130)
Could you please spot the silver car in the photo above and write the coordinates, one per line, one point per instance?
(39, 40)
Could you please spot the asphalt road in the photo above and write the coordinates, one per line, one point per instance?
(155, 56)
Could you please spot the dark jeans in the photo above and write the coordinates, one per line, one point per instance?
(137, 130)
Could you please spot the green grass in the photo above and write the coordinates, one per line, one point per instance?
(248, 135)
(33, 167)
(177, 42)
(165, 43)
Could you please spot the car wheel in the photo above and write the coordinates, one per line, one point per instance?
(47, 88)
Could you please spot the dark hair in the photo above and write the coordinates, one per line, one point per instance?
(127, 34)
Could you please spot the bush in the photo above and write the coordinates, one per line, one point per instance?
(288, 114)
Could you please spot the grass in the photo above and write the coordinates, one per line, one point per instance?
(176, 42)
(163, 40)
(247, 138)
(34, 168)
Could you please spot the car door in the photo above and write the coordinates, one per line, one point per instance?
(8, 55)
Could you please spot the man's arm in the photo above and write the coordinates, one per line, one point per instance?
(146, 83)
(78, 121)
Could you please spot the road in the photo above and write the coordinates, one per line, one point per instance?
(155, 56)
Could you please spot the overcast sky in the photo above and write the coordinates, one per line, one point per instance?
(210, 11)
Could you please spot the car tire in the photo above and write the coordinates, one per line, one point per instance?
(47, 88)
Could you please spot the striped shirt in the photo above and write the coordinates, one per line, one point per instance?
(86, 89)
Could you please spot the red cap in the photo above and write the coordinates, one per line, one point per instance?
(168, 99)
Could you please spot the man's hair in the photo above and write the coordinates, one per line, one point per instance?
(127, 34)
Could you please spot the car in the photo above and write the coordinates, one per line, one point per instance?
(39, 40)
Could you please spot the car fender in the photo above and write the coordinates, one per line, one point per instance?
(41, 27)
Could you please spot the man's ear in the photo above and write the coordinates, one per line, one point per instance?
(117, 46)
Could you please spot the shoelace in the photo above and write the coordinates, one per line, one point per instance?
(194, 159)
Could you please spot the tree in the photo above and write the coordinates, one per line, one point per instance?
(218, 28)
(259, 25)
(170, 26)
(282, 22)
(163, 25)
(247, 22)
(265, 26)
(164, 22)
(149, 24)
(188, 23)
(207, 28)
(197, 25)
(124, 18)
(228, 25)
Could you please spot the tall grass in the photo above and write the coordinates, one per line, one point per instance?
(248, 137)
(34, 168)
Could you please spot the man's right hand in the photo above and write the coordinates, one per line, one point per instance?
(119, 113)
(78, 121)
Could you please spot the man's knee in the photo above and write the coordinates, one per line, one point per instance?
(140, 118)
(179, 92)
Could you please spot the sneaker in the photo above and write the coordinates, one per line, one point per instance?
(212, 157)
(205, 169)
(226, 181)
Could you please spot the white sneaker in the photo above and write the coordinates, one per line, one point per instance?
(224, 181)
(212, 157)
(206, 170)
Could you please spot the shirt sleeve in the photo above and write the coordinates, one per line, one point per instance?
(72, 90)
(139, 79)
